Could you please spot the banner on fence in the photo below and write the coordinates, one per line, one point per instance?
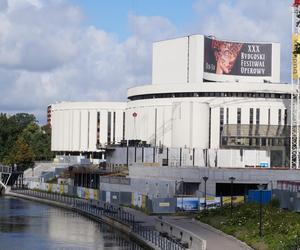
(211, 201)
(235, 199)
(188, 203)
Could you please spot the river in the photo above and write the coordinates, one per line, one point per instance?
(31, 225)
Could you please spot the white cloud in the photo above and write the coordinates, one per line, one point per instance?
(47, 55)
(257, 20)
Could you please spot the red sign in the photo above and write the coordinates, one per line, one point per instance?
(134, 114)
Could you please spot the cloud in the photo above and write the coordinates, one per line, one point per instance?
(48, 55)
(248, 21)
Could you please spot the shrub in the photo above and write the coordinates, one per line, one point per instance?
(275, 202)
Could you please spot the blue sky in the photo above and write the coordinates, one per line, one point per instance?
(94, 50)
(112, 15)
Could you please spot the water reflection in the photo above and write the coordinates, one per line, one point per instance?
(30, 225)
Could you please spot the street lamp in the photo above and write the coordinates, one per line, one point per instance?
(205, 178)
(260, 187)
(232, 179)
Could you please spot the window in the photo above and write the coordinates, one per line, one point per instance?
(257, 116)
(227, 116)
(285, 117)
(221, 122)
(114, 127)
(98, 128)
(108, 127)
(279, 116)
(221, 117)
(239, 114)
(269, 116)
(123, 125)
(251, 116)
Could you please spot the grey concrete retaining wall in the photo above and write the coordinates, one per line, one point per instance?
(194, 241)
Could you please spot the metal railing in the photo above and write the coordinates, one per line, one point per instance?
(117, 213)
(5, 169)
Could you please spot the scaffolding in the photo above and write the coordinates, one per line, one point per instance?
(295, 94)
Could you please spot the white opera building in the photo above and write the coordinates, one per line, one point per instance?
(218, 97)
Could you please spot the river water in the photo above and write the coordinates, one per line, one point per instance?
(30, 225)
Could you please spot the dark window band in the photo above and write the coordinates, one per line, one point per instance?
(210, 94)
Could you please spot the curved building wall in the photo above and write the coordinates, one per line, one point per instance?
(86, 126)
(196, 122)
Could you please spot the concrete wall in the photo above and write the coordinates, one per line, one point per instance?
(153, 188)
(184, 122)
(233, 158)
(215, 175)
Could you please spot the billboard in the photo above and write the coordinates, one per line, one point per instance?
(188, 203)
(295, 56)
(237, 59)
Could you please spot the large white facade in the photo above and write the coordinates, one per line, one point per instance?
(194, 122)
(86, 126)
(185, 107)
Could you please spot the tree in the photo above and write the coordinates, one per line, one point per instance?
(20, 134)
(22, 154)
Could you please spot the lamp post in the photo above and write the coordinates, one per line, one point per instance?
(205, 178)
(232, 179)
(260, 187)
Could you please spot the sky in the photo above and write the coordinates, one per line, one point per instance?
(94, 50)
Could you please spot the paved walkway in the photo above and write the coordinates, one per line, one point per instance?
(214, 239)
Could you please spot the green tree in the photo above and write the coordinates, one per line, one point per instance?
(22, 154)
(20, 134)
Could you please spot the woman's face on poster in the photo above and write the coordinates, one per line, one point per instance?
(225, 60)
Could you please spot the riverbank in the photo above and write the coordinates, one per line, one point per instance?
(176, 232)
(90, 213)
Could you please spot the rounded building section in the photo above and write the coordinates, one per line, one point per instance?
(86, 126)
(213, 116)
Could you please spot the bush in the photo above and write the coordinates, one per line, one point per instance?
(275, 202)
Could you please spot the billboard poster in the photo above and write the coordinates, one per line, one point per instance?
(237, 59)
(210, 202)
(188, 203)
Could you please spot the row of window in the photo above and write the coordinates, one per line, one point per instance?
(111, 128)
(251, 116)
(210, 94)
(253, 142)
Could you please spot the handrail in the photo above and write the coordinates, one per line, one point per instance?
(3, 185)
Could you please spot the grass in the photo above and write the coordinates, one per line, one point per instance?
(281, 228)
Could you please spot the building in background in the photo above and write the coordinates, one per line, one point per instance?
(211, 103)
(49, 110)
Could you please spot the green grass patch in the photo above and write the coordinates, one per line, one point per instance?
(281, 228)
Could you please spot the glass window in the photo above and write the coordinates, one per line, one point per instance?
(108, 127)
(123, 125)
(114, 127)
(285, 117)
(239, 115)
(227, 115)
(279, 116)
(251, 116)
(257, 116)
(98, 128)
